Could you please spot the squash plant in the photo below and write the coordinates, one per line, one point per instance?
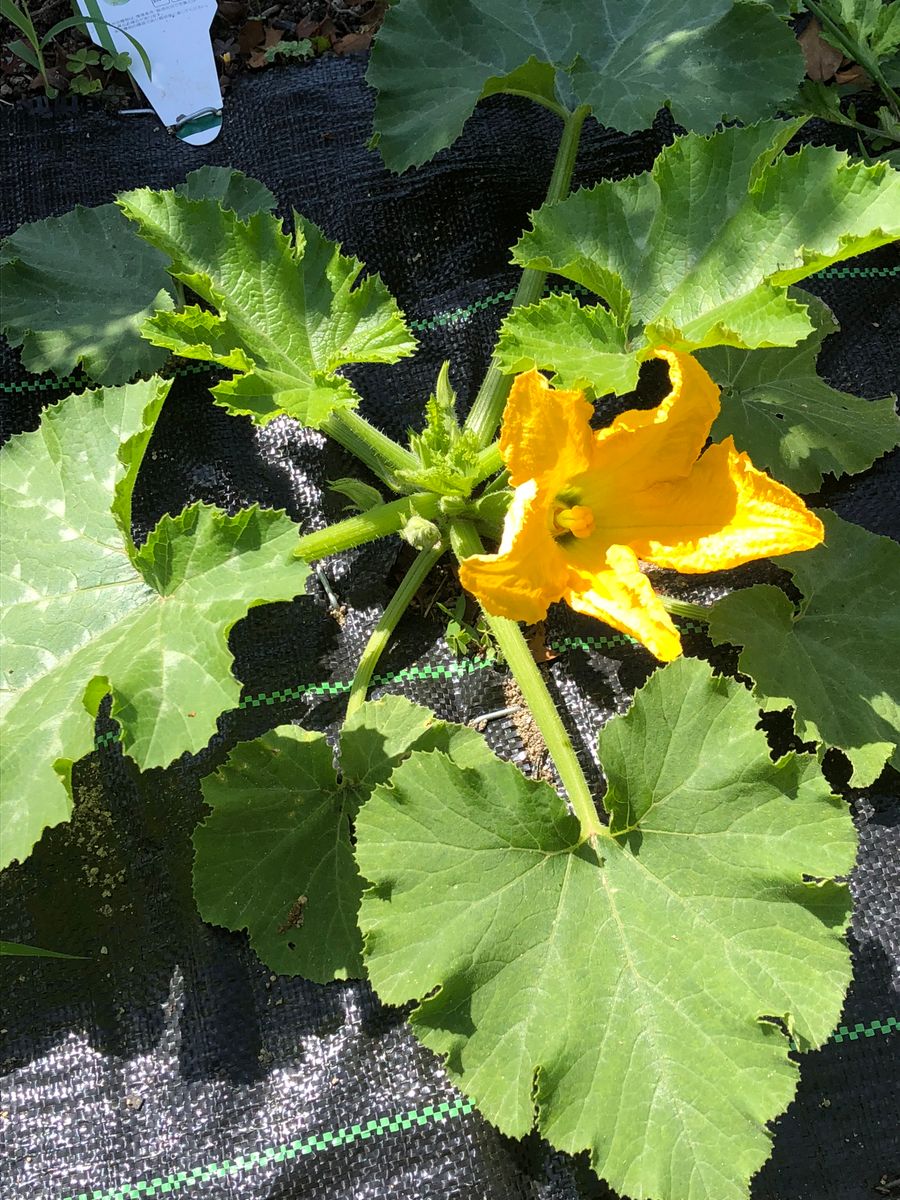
(626, 972)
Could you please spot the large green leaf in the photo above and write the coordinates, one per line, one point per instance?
(788, 419)
(291, 310)
(620, 994)
(834, 659)
(433, 61)
(274, 856)
(86, 614)
(78, 288)
(701, 250)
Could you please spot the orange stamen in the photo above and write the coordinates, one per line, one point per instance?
(577, 520)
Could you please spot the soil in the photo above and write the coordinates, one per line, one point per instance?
(246, 36)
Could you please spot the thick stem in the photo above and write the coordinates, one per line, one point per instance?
(487, 408)
(381, 454)
(381, 634)
(378, 522)
(683, 608)
(515, 649)
(489, 462)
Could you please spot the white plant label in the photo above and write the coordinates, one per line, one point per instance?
(183, 86)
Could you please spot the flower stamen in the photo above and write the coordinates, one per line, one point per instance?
(577, 520)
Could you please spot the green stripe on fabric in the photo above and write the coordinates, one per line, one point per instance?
(439, 671)
(457, 315)
(76, 381)
(258, 1159)
(317, 1143)
(453, 316)
(842, 1033)
(857, 273)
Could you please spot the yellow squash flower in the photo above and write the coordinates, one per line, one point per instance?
(588, 505)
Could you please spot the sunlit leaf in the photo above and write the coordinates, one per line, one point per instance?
(620, 994)
(291, 311)
(86, 614)
(701, 250)
(580, 344)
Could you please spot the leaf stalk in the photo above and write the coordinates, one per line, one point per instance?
(377, 522)
(487, 408)
(380, 453)
(381, 634)
(515, 649)
(683, 608)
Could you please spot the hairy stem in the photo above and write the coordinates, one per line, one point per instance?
(378, 522)
(381, 634)
(487, 408)
(683, 608)
(465, 541)
(381, 454)
(489, 462)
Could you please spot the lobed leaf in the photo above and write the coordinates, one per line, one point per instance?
(578, 343)
(290, 311)
(833, 659)
(701, 250)
(789, 420)
(274, 856)
(86, 614)
(620, 994)
(78, 288)
(234, 191)
(433, 61)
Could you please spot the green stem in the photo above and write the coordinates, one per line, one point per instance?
(381, 454)
(378, 522)
(855, 52)
(544, 101)
(869, 130)
(516, 651)
(683, 608)
(381, 634)
(489, 462)
(487, 408)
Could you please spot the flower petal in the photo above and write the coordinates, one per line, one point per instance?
(643, 447)
(545, 431)
(624, 598)
(528, 572)
(725, 513)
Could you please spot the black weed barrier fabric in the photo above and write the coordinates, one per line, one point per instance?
(171, 1061)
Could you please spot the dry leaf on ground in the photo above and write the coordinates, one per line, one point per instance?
(822, 60)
